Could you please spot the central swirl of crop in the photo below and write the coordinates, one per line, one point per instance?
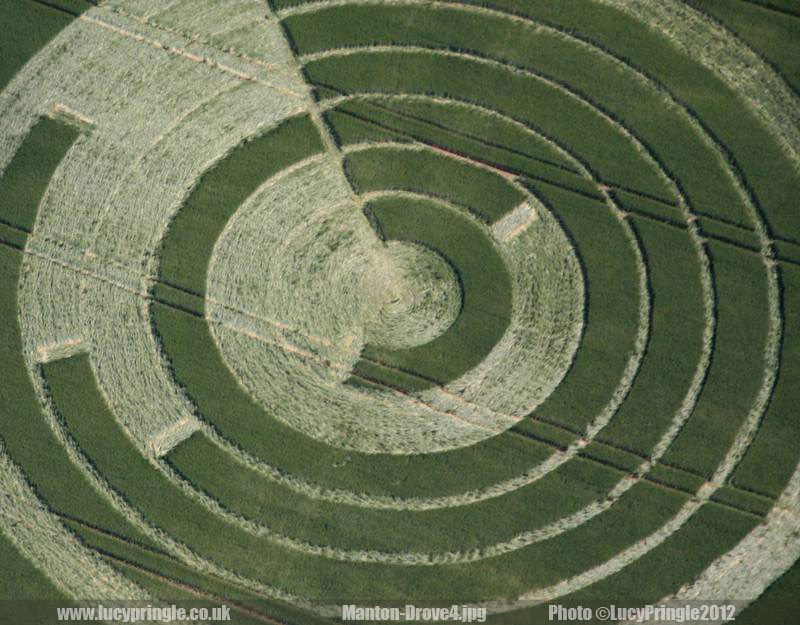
(421, 297)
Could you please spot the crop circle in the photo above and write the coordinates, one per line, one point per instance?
(440, 301)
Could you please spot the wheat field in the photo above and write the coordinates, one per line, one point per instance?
(487, 303)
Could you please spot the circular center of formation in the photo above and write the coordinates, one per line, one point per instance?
(421, 297)
(362, 341)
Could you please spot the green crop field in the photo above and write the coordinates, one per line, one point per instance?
(313, 310)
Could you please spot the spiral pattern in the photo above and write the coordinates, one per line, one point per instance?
(348, 301)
